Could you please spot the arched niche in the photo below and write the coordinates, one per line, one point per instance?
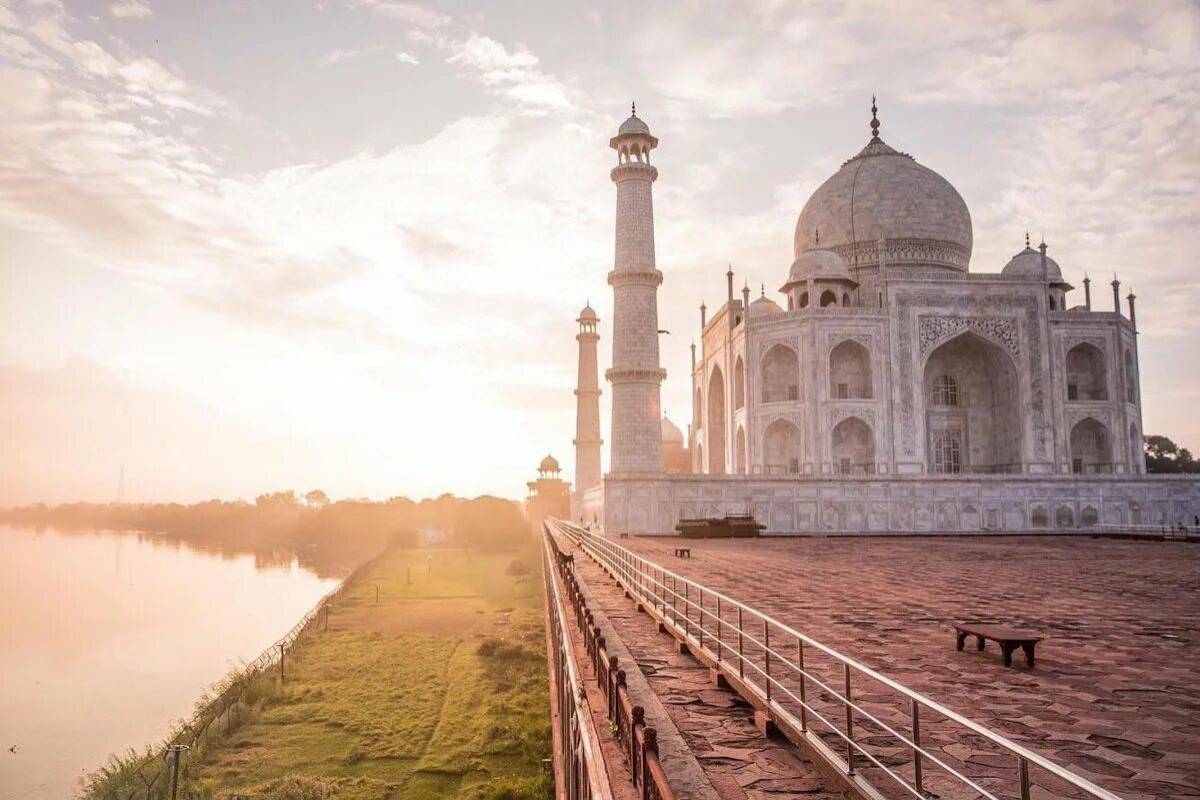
(716, 422)
(1131, 380)
(740, 451)
(1091, 447)
(852, 445)
(780, 375)
(977, 425)
(850, 372)
(781, 448)
(1086, 378)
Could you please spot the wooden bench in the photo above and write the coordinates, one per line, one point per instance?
(683, 552)
(1009, 639)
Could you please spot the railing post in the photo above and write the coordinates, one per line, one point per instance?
(1023, 772)
(767, 656)
(916, 737)
(849, 721)
(687, 611)
(803, 682)
(718, 629)
(741, 654)
(701, 623)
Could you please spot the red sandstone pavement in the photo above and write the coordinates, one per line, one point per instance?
(1115, 693)
(717, 725)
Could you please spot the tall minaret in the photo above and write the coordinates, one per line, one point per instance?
(635, 374)
(587, 408)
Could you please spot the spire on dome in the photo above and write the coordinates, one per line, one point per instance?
(1027, 238)
(633, 109)
(874, 119)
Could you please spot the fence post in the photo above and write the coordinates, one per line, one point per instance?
(741, 656)
(1023, 772)
(281, 662)
(849, 722)
(767, 656)
(718, 629)
(916, 737)
(803, 699)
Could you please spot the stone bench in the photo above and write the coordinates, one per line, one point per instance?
(1009, 639)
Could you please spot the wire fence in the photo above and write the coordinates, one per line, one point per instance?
(155, 776)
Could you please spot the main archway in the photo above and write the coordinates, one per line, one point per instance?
(1091, 447)
(972, 408)
(716, 423)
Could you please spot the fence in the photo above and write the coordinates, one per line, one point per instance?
(880, 737)
(159, 768)
(626, 720)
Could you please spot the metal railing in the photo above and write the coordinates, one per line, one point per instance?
(627, 720)
(579, 766)
(883, 738)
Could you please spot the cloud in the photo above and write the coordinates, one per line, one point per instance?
(130, 9)
(510, 73)
(411, 13)
(339, 55)
(407, 58)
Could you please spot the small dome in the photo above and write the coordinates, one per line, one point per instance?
(819, 264)
(1028, 264)
(549, 464)
(633, 125)
(764, 305)
(670, 432)
(588, 315)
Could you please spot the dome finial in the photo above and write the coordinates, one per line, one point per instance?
(633, 109)
(1027, 238)
(874, 119)
(818, 234)
(762, 290)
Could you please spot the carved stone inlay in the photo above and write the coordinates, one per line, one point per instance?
(936, 329)
(838, 413)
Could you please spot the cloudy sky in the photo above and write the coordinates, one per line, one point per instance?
(341, 244)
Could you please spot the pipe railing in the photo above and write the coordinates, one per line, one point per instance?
(579, 762)
(875, 732)
(626, 719)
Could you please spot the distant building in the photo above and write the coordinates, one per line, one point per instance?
(549, 495)
(889, 389)
(675, 456)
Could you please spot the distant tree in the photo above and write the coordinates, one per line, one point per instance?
(317, 498)
(489, 523)
(287, 498)
(1164, 456)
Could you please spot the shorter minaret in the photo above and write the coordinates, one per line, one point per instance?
(1116, 284)
(587, 409)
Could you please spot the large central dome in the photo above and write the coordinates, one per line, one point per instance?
(883, 194)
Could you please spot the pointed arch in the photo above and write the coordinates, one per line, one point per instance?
(1137, 448)
(782, 448)
(780, 374)
(1131, 379)
(852, 445)
(740, 451)
(828, 298)
(850, 371)
(1091, 447)
(973, 414)
(716, 422)
(1086, 378)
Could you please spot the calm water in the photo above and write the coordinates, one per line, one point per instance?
(105, 638)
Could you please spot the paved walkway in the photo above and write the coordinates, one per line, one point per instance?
(1115, 694)
(717, 725)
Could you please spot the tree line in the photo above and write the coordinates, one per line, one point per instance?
(327, 535)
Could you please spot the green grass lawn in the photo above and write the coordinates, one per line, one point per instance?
(438, 691)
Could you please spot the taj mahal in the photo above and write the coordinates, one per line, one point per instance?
(885, 388)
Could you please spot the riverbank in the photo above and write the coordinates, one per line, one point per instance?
(435, 690)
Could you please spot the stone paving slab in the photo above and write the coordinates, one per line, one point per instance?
(717, 725)
(1115, 693)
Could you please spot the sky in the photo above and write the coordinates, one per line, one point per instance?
(248, 246)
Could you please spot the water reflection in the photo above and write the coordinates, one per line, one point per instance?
(105, 637)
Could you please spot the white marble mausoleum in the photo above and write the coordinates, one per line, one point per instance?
(885, 388)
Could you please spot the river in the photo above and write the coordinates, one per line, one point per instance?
(106, 637)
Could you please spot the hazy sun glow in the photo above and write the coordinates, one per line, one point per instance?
(342, 244)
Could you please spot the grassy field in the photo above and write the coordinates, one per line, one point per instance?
(439, 690)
